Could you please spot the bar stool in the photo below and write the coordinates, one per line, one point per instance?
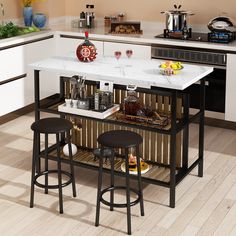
(119, 139)
(57, 126)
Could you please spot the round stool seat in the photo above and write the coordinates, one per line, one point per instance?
(120, 139)
(51, 125)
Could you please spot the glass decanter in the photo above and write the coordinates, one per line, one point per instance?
(86, 51)
(131, 102)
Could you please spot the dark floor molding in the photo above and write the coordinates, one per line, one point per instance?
(15, 114)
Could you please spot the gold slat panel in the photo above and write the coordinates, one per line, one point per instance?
(166, 137)
(155, 146)
(179, 135)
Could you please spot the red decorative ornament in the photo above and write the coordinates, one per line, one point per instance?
(86, 51)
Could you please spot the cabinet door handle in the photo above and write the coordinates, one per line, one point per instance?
(206, 83)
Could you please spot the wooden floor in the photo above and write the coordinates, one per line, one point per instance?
(205, 206)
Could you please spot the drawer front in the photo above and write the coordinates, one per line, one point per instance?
(139, 51)
(12, 63)
(12, 96)
(66, 46)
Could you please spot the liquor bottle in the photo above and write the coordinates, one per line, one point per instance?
(86, 51)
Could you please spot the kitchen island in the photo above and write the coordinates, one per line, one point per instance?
(165, 149)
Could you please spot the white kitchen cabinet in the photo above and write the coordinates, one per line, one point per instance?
(139, 51)
(48, 81)
(68, 45)
(14, 62)
(230, 103)
(12, 96)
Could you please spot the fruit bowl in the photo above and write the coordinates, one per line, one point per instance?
(170, 68)
(173, 65)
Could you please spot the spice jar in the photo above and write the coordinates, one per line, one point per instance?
(107, 21)
(121, 17)
(131, 102)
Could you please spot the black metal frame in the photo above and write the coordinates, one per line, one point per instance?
(126, 187)
(183, 124)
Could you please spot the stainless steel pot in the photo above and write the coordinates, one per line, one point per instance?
(176, 20)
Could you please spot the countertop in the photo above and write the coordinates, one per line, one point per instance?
(138, 72)
(101, 33)
(147, 38)
(24, 38)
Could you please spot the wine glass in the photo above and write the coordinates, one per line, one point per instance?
(129, 53)
(117, 56)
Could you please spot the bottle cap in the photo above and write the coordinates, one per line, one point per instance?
(86, 34)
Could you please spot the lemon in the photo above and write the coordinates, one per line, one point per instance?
(163, 66)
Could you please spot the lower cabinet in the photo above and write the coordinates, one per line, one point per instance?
(35, 52)
(15, 94)
(139, 51)
(68, 45)
(230, 107)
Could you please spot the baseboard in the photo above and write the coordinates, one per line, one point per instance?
(220, 123)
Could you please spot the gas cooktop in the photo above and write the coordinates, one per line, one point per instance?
(215, 37)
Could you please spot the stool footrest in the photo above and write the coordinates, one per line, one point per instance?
(52, 186)
(119, 205)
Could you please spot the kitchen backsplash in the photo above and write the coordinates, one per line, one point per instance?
(148, 10)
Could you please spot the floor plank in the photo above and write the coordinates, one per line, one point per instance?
(205, 206)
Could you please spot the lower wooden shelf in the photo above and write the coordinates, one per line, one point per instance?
(156, 172)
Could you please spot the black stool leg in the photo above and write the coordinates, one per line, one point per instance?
(33, 170)
(140, 182)
(38, 159)
(99, 191)
(71, 165)
(59, 174)
(46, 163)
(127, 191)
(112, 182)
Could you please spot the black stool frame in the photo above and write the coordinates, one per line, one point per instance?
(112, 187)
(36, 165)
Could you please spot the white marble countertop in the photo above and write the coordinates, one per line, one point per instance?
(142, 73)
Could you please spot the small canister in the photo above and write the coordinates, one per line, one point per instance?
(121, 17)
(82, 20)
(83, 104)
(107, 21)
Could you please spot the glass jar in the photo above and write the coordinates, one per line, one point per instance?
(131, 102)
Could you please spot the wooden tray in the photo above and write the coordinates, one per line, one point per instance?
(89, 113)
(163, 120)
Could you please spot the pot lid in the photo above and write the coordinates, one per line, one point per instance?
(220, 23)
(177, 11)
